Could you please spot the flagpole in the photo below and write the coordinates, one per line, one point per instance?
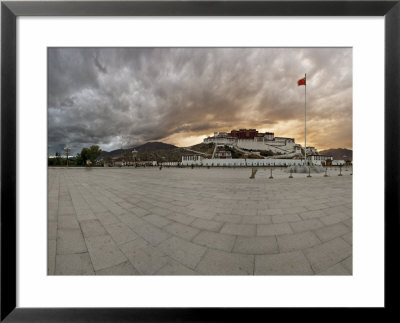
(305, 120)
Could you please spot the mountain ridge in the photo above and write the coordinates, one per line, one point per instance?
(144, 148)
(338, 153)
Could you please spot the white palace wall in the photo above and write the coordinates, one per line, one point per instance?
(220, 141)
(199, 161)
(267, 145)
(251, 162)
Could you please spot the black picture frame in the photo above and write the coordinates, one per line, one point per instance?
(11, 10)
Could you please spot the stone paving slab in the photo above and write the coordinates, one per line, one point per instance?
(51, 257)
(74, 264)
(348, 237)
(215, 240)
(297, 241)
(336, 270)
(228, 218)
(181, 230)
(104, 252)
(273, 229)
(67, 222)
(285, 218)
(328, 254)
(312, 214)
(334, 218)
(181, 218)
(66, 210)
(208, 225)
(187, 253)
(157, 220)
(239, 229)
(306, 225)
(217, 262)
(92, 228)
(151, 233)
(291, 263)
(348, 264)
(256, 245)
(52, 229)
(120, 232)
(107, 218)
(127, 221)
(332, 231)
(70, 241)
(146, 259)
(349, 223)
(175, 268)
(131, 220)
(257, 219)
(124, 269)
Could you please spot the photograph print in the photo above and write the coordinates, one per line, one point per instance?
(199, 161)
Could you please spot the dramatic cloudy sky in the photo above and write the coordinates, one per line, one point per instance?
(127, 96)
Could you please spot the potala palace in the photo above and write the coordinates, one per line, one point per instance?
(282, 151)
(251, 139)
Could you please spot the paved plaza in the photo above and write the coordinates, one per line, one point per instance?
(183, 221)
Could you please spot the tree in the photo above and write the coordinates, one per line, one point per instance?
(93, 152)
(82, 157)
(79, 159)
(58, 159)
(88, 154)
(85, 155)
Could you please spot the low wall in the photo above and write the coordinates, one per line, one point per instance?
(191, 162)
(251, 162)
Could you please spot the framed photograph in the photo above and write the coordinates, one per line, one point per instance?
(174, 160)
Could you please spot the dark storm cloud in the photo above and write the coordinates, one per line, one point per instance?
(114, 96)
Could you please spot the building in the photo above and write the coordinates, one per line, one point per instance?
(221, 138)
(269, 136)
(120, 162)
(170, 164)
(222, 154)
(188, 160)
(244, 133)
(338, 162)
(311, 151)
(319, 159)
(252, 140)
(60, 156)
(146, 163)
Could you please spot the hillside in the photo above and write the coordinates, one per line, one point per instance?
(146, 153)
(153, 146)
(145, 148)
(338, 153)
(164, 155)
(203, 148)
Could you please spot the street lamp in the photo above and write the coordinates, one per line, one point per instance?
(67, 150)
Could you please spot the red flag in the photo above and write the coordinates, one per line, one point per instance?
(301, 81)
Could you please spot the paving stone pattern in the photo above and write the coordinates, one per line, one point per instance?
(146, 221)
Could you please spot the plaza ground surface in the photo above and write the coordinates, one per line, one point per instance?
(146, 221)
